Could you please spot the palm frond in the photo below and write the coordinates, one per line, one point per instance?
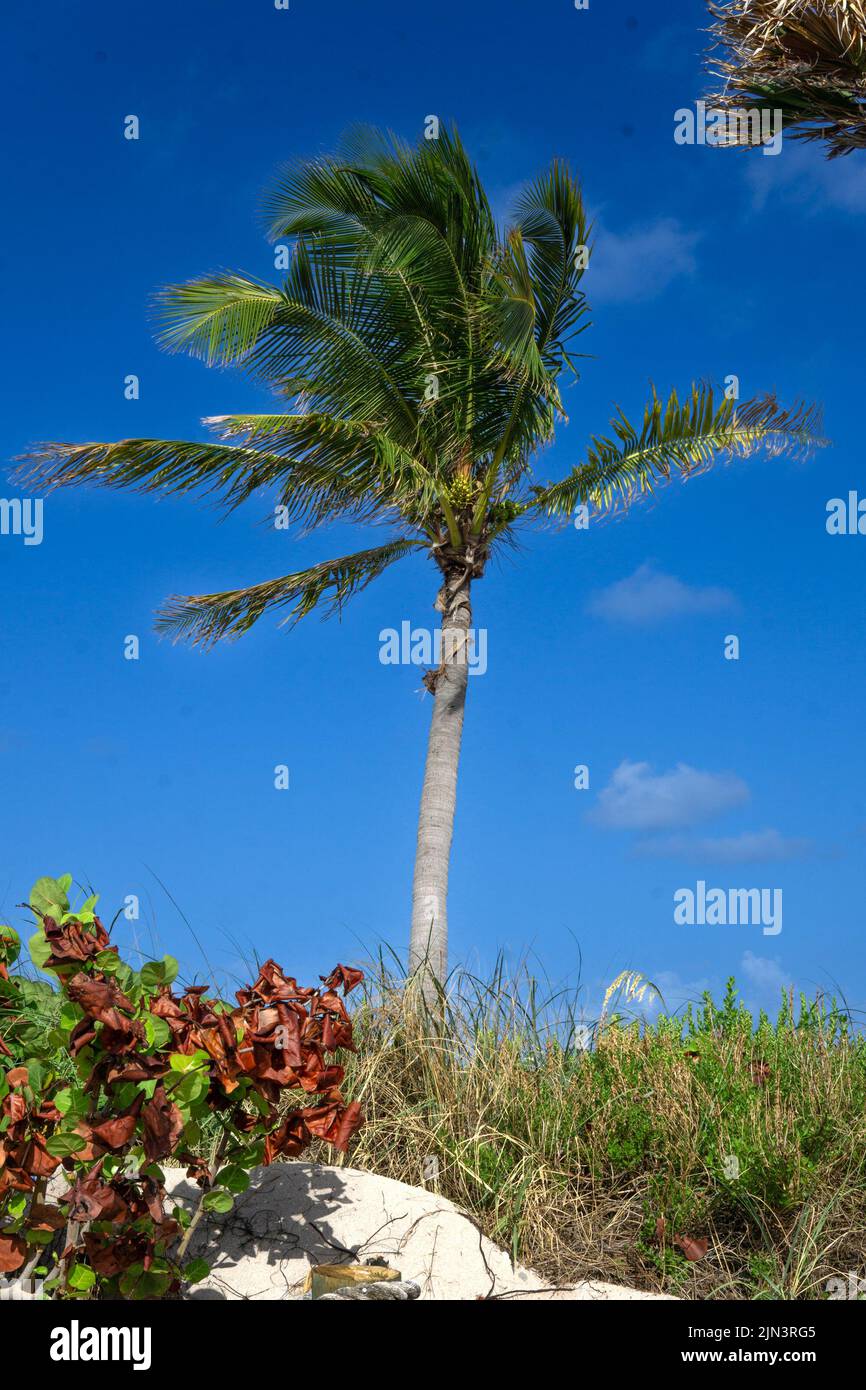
(335, 467)
(806, 58)
(413, 226)
(219, 318)
(153, 465)
(541, 273)
(204, 619)
(321, 467)
(325, 333)
(677, 440)
(512, 318)
(552, 221)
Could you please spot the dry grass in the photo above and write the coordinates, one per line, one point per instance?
(591, 1161)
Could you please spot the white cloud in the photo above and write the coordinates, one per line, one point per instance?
(751, 847)
(648, 596)
(764, 973)
(802, 174)
(640, 263)
(638, 799)
(677, 991)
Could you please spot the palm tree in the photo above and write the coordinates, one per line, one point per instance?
(806, 58)
(416, 354)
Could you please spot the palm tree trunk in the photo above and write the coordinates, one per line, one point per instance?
(428, 947)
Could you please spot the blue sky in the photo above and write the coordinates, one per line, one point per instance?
(605, 647)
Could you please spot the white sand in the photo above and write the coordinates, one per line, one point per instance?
(299, 1214)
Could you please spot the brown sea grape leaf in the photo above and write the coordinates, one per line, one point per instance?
(152, 1195)
(245, 1121)
(269, 1064)
(336, 1035)
(14, 1107)
(74, 942)
(12, 1179)
(116, 1133)
(163, 1125)
(111, 1255)
(272, 984)
(333, 1122)
(331, 1003)
(179, 1016)
(289, 1139)
(120, 1040)
(691, 1248)
(13, 1253)
(82, 1035)
(100, 999)
(91, 1199)
(200, 1172)
(139, 1069)
(290, 1035)
(35, 1159)
(342, 975)
(45, 1218)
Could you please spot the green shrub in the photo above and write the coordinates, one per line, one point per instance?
(110, 1073)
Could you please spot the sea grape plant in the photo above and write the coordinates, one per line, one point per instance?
(111, 1073)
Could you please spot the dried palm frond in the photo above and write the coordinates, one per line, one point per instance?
(805, 58)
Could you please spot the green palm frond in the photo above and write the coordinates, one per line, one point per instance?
(154, 465)
(219, 318)
(204, 619)
(413, 227)
(677, 440)
(513, 318)
(542, 310)
(336, 467)
(419, 215)
(334, 473)
(321, 468)
(325, 333)
(552, 221)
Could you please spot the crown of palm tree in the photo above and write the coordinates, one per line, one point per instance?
(806, 58)
(415, 354)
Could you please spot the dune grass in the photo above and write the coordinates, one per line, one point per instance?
(626, 1150)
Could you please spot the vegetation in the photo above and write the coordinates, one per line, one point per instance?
(806, 58)
(416, 352)
(708, 1155)
(110, 1075)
